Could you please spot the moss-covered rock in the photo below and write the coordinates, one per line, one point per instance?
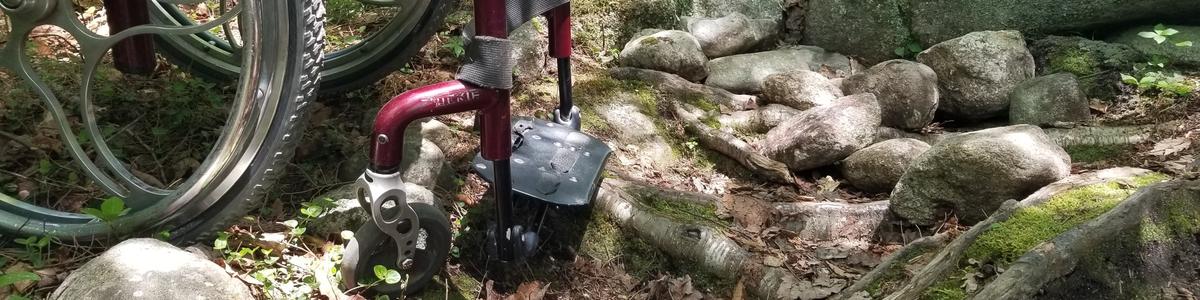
(1182, 56)
(1097, 64)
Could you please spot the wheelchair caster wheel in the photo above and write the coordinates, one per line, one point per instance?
(371, 247)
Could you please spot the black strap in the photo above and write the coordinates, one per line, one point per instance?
(489, 60)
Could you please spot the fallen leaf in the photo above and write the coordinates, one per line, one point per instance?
(530, 291)
(1169, 146)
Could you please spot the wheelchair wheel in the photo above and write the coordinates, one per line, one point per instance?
(92, 122)
(371, 247)
(395, 30)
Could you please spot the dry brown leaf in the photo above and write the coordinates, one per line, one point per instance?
(532, 290)
(1169, 146)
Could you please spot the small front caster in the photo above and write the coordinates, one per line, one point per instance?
(371, 247)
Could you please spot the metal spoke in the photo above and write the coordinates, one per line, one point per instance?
(92, 46)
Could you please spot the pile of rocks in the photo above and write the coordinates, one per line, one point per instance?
(830, 111)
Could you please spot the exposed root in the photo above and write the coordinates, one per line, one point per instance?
(896, 260)
(947, 260)
(706, 246)
(732, 146)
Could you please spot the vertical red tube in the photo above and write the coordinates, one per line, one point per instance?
(495, 137)
(134, 55)
(560, 31)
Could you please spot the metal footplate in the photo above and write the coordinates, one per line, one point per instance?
(552, 162)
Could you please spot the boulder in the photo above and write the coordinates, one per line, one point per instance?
(423, 165)
(971, 174)
(877, 168)
(670, 51)
(936, 21)
(878, 27)
(774, 114)
(1048, 100)
(531, 44)
(801, 89)
(745, 73)
(437, 132)
(1184, 56)
(729, 35)
(150, 269)
(821, 136)
(977, 71)
(759, 9)
(907, 92)
(1097, 65)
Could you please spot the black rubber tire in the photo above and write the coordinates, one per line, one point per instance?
(199, 224)
(394, 57)
(371, 247)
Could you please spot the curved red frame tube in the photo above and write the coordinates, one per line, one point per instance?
(434, 100)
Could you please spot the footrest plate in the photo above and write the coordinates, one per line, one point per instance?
(552, 162)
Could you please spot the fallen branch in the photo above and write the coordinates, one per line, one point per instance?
(706, 246)
(1064, 137)
(732, 147)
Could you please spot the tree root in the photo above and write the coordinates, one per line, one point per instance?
(947, 260)
(680, 88)
(1059, 256)
(896, 260)
(824, 221)
(1064, 137)
(708, 247)
(732, 147)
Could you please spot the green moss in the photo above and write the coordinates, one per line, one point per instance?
(1181, 219)
(683, 210)
(1006, 241)
(1096, 153)
(605, 241)
(651, 41)
(1075, 61)
(948, 289)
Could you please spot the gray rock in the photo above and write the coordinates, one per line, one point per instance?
(888, 133)
(800, 89)
(729, 35)
(1048, 100)
(745, 73)
(1184, 56)
(971, 174)
(348, 214)
(531, 45)
(437, 132)
(936, 21)
(878, 27)
(907, 92)
(423, 165)
(149, 269)
(670, 51)
(1097, 65)
(761, 9)
(977, 71)
(646, 32)
(824, 135)
(774, 114)
(878, 168)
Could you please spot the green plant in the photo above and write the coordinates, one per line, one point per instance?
(455, 46)
(110, 209)
(1163, 34)
(11, 278)
(909, 50)
(1153, 75)
(35, 249)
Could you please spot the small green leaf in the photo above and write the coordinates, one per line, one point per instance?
(914, 48)
(1169, 32)
(1128, 79)
(901, 52)
(291, 223)
(93, 212)
(222, 241)
(380, 271)
(1147, 34)
(299, 231)
(393, 277)
(1160, 26)
(44, 167)
(113, 207)
(1160, 39)
(347, 235)
(15, 277)
(1184, 44)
